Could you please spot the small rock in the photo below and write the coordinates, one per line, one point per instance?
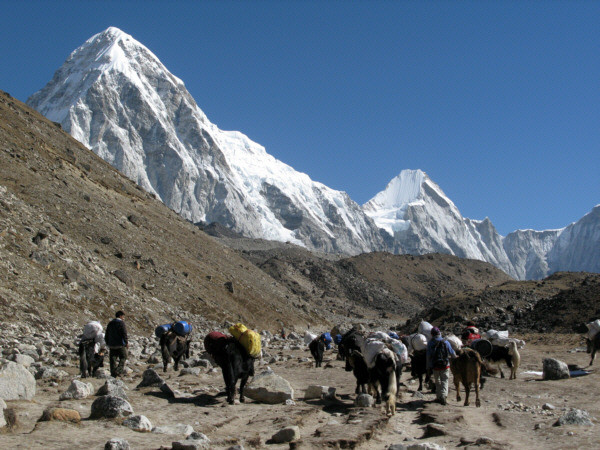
(287, 434)
(150, 378)
(575, 417)
(77, 390)
(138, 423)
(190, 371)
(434, 430)
(364, 401)
(202, 363)
(315, 391)
(548, 407)
(167, 390)
(24, 360)
(426, 446)
(50, 373)
(113, 387)
(484, 440)
(179, 428)
(116, 444)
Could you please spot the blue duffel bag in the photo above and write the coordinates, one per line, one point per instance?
(182, 328)
(162, 329)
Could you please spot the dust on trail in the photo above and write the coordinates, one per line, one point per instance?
(511, 415)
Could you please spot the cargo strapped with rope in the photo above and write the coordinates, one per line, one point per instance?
(249, 339)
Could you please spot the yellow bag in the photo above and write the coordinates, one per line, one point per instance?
(249, 339)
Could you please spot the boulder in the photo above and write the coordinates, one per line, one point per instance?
(109, 407)
(315, 391)
(269, 388)
(287, 434)
(116, 444)
(113, 387)
(555, 369)
(61, 415)
(150, 378)
(574, 417)
(364, 401)
(77, 390)
(16, 382)
(138, 423)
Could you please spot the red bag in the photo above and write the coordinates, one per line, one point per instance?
(212, 341)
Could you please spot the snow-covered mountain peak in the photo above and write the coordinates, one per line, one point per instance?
(403, 189)
(115, 96)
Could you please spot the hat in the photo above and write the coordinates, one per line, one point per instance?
(435, 331)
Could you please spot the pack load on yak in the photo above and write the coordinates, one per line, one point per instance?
(470, 334)
(309, 337)
(425, 329)
(501, 339)
(593, 328)
(249, 339)
(327, 340)
(162, 329)
(93, 331)
(181, 328)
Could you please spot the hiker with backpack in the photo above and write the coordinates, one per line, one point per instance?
(439, 352)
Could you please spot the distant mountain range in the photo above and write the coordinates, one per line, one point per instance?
(115, 96)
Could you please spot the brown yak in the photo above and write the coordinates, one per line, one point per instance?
(466, 369)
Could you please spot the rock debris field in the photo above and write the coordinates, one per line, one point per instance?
(313, 407)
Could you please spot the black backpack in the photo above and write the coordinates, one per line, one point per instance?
(441, 355)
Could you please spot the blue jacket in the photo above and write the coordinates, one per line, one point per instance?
(431, 347)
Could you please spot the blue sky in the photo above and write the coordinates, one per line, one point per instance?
(498, 101)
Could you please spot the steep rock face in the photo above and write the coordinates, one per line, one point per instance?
(578, 246)
(116, 97)
(527, 250)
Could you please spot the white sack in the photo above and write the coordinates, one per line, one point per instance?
(400, 350)
(425, 329)
(370, 350)
(309, 337)
(593, 328)
(417, 342)
(455, 342)
(92, 329)
(379, 335)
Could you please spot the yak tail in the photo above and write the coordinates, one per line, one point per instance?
(392, 389)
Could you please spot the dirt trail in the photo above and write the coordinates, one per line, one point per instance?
(511, 415)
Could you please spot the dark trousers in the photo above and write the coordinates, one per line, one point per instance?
(117, 356)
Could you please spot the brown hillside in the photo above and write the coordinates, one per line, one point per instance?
(395, 285)
(79, 240)
(560, 303)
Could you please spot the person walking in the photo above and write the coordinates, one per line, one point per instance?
(439, 352)
(116, 341)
